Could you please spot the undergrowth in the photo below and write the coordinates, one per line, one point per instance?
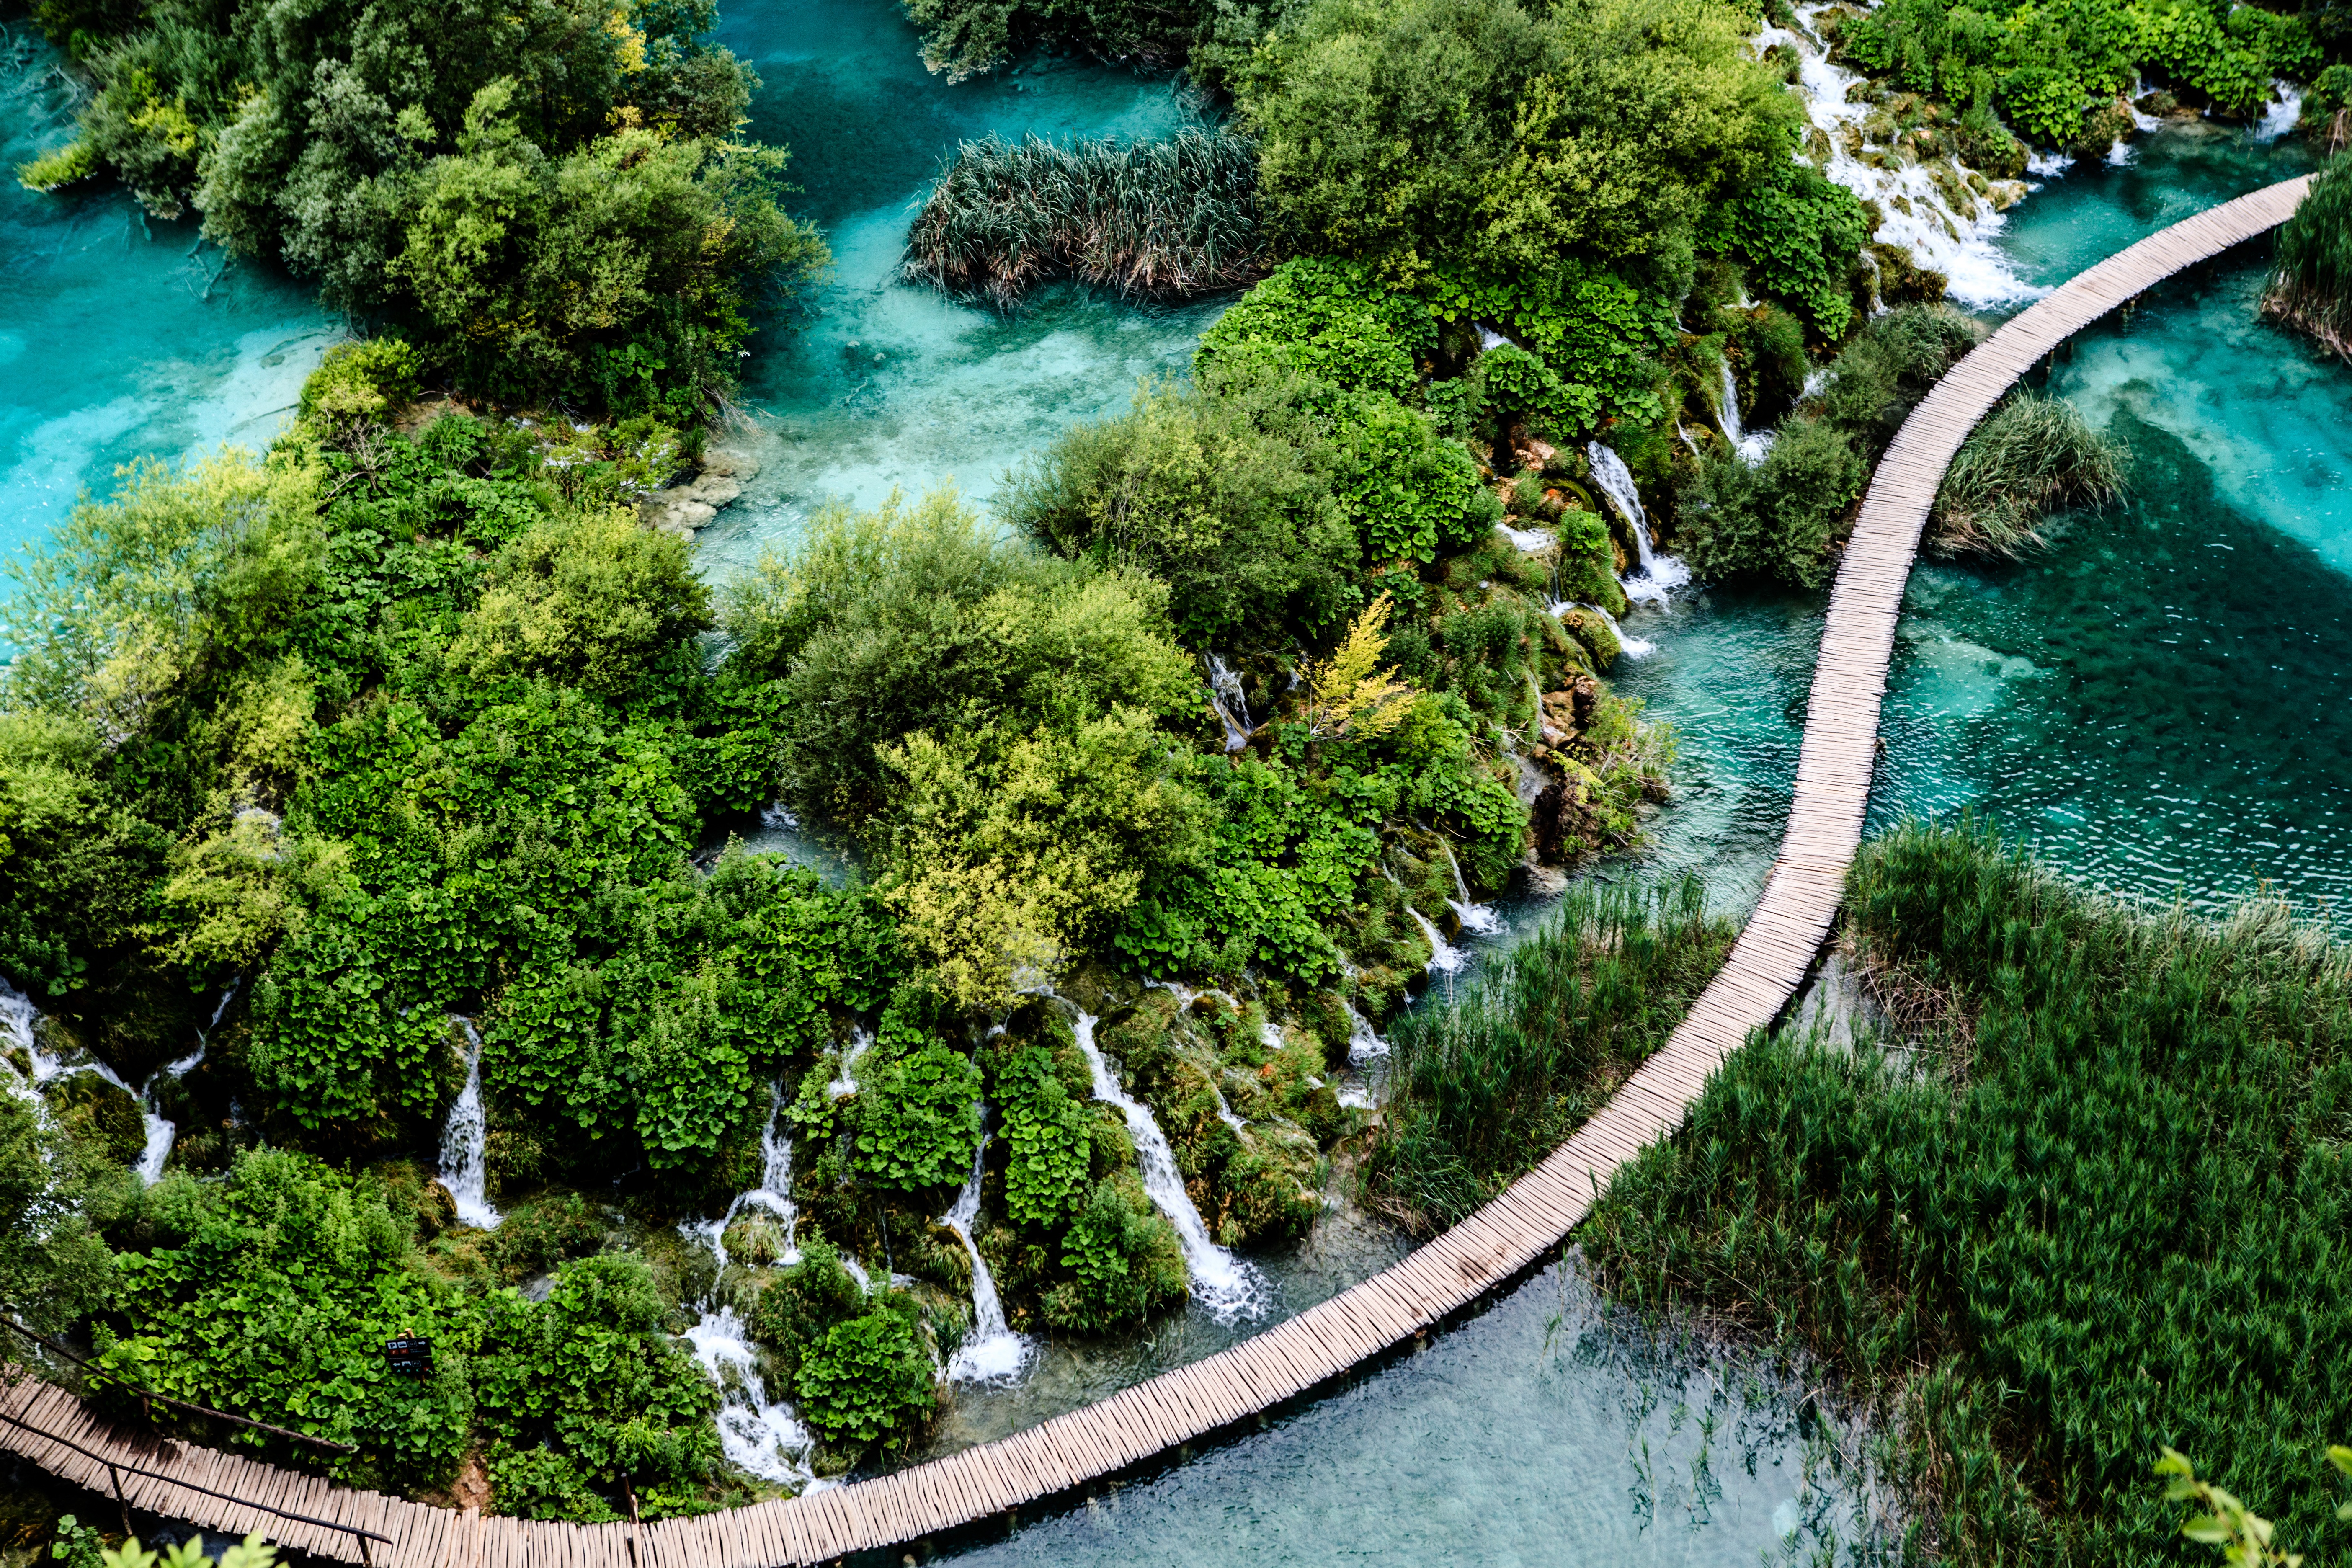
(2031, 455)
(1486, 1084)
(2106, 1211)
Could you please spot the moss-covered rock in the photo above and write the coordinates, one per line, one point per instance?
(99, 1114)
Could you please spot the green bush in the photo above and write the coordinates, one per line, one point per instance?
(360, 380)
(1332, 322)
(2311, 285)
(1778, 518)
(801, 1304)
(918, 1119)
(868, 1381)
(1127, 1261)
(1048, 1149)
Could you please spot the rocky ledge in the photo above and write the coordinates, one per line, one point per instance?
(683, 509)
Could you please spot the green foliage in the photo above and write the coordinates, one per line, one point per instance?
(592, 597)
(1481, 1087)
(547, 198)
(1125, 1257)
(251, 1553)
(358, 381)
(1598, 334)
(1518, 383)
(2090, 1210)
(1423, 134)
(1407, 489)
(918, 1119)
(75, 161)
(54, 1194)
(1046, 1135)
(1153, 220)
(966, 37)
(803, 1301)
(1800, 233)
(2031, 455)
(78, 1545)
(1223, 497)
(867, 1381)
(2311, 285)
(1331, 321)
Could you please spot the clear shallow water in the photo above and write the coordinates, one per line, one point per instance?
(1538, 1433)
(2161, 703)
(120, 336)
(887, 385)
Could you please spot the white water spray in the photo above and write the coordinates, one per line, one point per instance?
(2283, 113)
(1628, 645)
(1364, 1042)
(1751, 449)
(1443, 957)
(1476, 918)
(1946, 225)
(464, 1171)
(1225, 696)
(861, 1040)
(1660, 575)
(993, 1352)
(1228, 1288)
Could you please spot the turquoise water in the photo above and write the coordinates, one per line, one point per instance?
(2161, 703)
(1538, 1432)
(885, 385)
(120, 336)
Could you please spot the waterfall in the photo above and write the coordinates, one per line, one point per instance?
(463, 1169)
(1443, 958)
(1226, 688)
(1477, 918)
(1917, 213)
(16, 1015)
(760, 1433)
(1629, 646)
(1751, 449)
(2284, 111)
(1660, 575)
(1229, 1289)
(16, 1029)
(1364, 1043)
(161, 1132)
(993, 1354)
(861, 1040)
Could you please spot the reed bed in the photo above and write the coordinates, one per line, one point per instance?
(1483, 1085)
(2311, 288)
(2106, 1207)
(2030, 457)
(1151, 220)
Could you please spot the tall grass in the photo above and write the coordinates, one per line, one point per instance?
(1153, 220)
(2110, 1208)
(1486, 1084)
(2311, 288)
(2031, 455)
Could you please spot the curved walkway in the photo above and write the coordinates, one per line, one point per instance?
(1765, 968)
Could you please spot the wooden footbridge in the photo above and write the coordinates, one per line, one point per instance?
(1774, 952)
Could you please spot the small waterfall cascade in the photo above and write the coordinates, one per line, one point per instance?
(1943, 222)
(1477, 918)
(16, 1029)
(1628, 645)
(1443, 957)
(760, 1433)
(993, 1354)
(1228, 1288)
(162, 1132)
(2286, 109)
(1364, 1042)
(1660, 575)
(463, 1170)
(1232, 707)
(16, 1015)
(861, 1040)
(1751, 449)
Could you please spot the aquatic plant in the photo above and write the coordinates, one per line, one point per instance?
(1150, 220)
(1481, 1086)
(2031, 455)
(2311, 286)
(2088, 1197)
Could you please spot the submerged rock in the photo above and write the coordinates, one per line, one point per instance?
(683, 509)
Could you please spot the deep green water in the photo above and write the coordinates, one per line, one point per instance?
(120, 337)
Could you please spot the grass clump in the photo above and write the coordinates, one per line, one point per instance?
(1153, 220)
(2097, 1206)
(2311, 288)
(2030, 457)
(1481, 1087)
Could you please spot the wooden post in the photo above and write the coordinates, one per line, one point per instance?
(116, 1477)
(630, 1492)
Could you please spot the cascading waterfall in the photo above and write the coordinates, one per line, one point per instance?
(1628, 645)
(860, 1041)
(1225, 696)
(993, 1352)
(1947, 224)
(2284, 111)
(464, 1171)
(1475, 917)
(1228, 1288)
(1660, 575)
(16, 1015)
(1443, 957)
(762, 1435)
(1751, 449)
(1364, 1042)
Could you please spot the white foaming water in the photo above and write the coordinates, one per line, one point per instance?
(1628, 645)
(2284, 111)
(1443, 958)
(861, 1040)
(16, 1015)
(993, 1352)
(1488, 338)
(1528, 540)
(762, 1435)
(1751, 449)
(162, 1132)
(1226, 688)
(1475, 917)
(1364, 1043)
(2048, 165)
(1228, 1288)
(463, 1170)
(16, 1027)
(1660, 575)
(1956, 241)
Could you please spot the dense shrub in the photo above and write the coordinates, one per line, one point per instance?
(2031, 455)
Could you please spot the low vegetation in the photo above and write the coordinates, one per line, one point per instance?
(2310, 289)
(2030, 457)
(2084, 1199)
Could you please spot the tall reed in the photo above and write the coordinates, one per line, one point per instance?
(1153, 220)
(2106, 1204)
(2311, 288)
(1481, 1086)
(2030, 457)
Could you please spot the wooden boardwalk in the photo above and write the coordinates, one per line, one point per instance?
(1769, 961)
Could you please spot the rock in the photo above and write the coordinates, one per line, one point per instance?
(715, 490)
(732, 463)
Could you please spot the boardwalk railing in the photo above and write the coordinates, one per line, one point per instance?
(1767, 964)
